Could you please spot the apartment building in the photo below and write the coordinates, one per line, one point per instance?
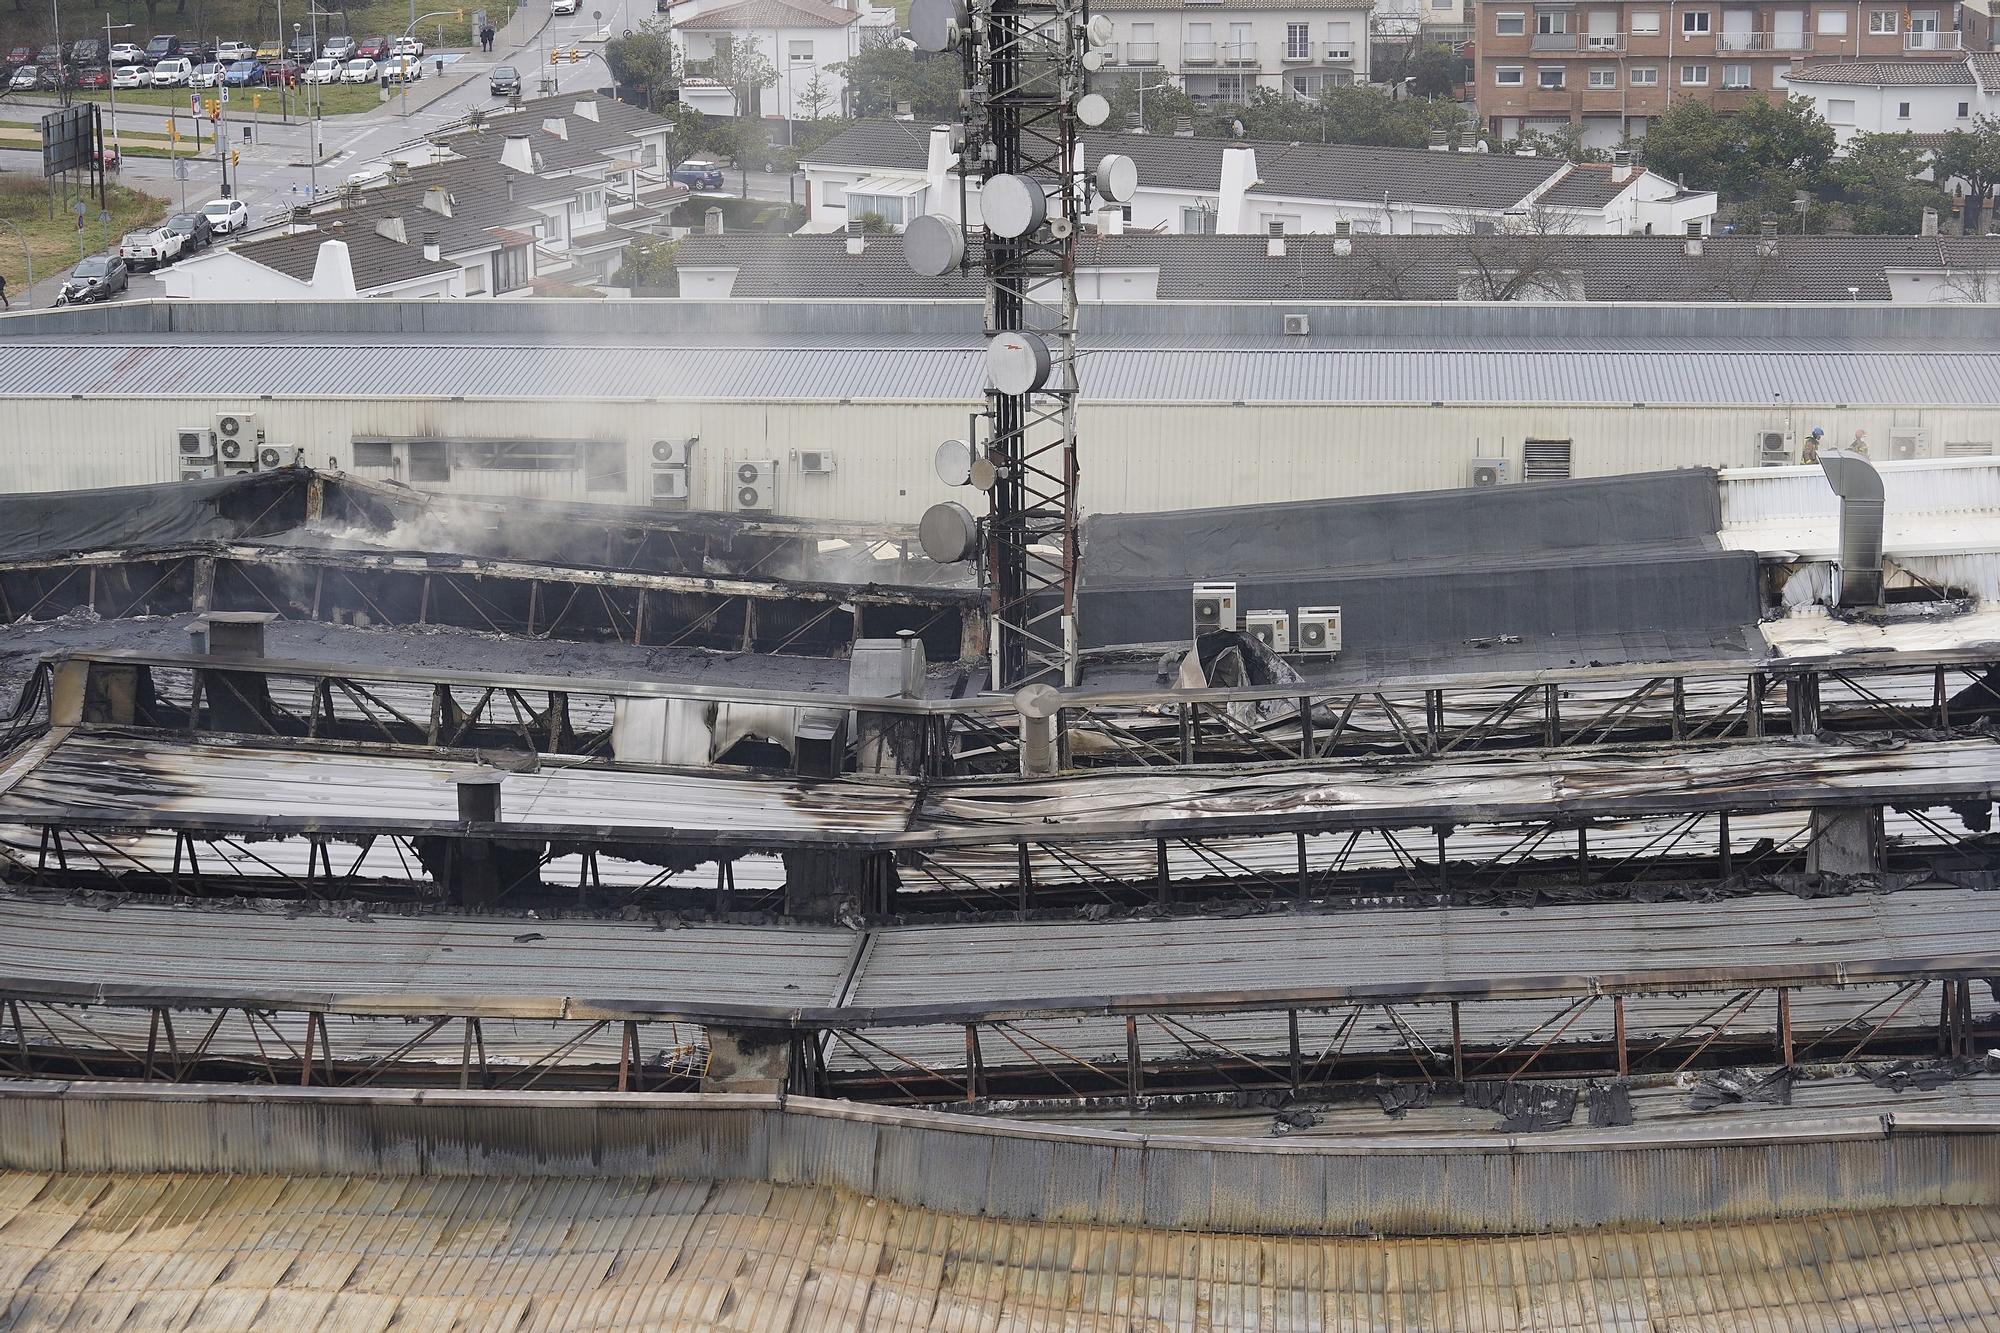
(1927, 96)
(805, 41)
(1223, 50)
(1611, 67)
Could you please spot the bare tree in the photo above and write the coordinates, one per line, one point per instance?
(1975, 283)
(1524, 256)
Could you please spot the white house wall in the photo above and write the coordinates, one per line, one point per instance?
(1134, 456)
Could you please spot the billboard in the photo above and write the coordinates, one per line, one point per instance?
(67, 139)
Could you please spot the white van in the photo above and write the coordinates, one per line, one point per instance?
(174, 73)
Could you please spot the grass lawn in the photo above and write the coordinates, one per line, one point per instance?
(334, 100)
(24, 205)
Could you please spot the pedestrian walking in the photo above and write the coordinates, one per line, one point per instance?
(5, 304)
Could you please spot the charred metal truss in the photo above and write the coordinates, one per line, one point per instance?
(498, 596)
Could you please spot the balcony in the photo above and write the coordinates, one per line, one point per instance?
(1140, 53)
(1239, 54)
(1728, 42)
(1299, 55)
(1339, 51)
(1197, 53)
(1930, 41)
(1553, 41)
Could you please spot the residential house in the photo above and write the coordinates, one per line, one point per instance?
(1223, 50)
(1926, 97)
(897, 171)
(1610, 66)
(805, 41)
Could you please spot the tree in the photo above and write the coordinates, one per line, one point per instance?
(1529, 259)
(649, 264)
(881, 77)
(1434, 71)
(1759, 158)
(1972, 156)
(740, 65)
(687, 129)
(815, 97)
(645, 62)
(1877, 180)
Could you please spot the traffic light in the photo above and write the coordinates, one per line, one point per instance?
(256, 100)
(235, 156)
(555, 57)
(574, 55)
(214, 109)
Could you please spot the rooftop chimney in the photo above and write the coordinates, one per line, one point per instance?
(437, 201)
(1859, 486)
(1343, 247)
(585, 109)
(557, 126)
(904, 111)
(1621, 166)
(1767, 236)
(857, 244)
(711, 222)
(1274, 248)
(333, 272)
(1930, 223)
(1110, 222)
(1239, 177)
(1440, 142)
(432, 251)
(393, 229)
(516, 155)
(1692, 247)
(1184, 127)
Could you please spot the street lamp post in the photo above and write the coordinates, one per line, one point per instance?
(112, 85)
(410, 33)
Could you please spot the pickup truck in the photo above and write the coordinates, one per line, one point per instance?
(150, 249)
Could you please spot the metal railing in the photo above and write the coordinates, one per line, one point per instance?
(1931, 41)
(1198, 53)
(1604, 41)
(1553, 41)
(1763, 41)
(1140, 53)
(1239, 53)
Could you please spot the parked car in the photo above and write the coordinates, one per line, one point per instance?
(131, 76)
(358, 71)
(228, 53)
(226, 215)
(93, 76)
(204, 76)
(244, 74)
(281, 73)
(87, 51)
(375, 48)
(323, 71)
(25, 79)
(174, 73)
(97, 278)
(563, 6)
(408, 46)
(197, 233)
(697, 174)
(504, 81)
(165, 46)
(149, 249)
(196, 52)
(301, 47)
(340, 48)
(271, 50)
(126, 53)
(50, 56)
(21, 55)
(403, 69)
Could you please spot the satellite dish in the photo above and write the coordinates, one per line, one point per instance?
(933, 245)
(935, 25)
(1092, 109)
(1060, 228)
(984, 475)
(1099, 31)
(948, 533)
(953, 461)
(1093, 61)
(1018, 362)
(1117, 178)
(1013, 205)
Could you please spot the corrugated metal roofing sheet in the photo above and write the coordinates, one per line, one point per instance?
(1685, 371)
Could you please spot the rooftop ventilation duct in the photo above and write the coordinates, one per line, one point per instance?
(516, 155)
(1859, 486)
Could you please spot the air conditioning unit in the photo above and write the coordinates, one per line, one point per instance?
(1774, 449)
(816, 462)
(1488, 472)
(199, 469)
(1319, 629)
(194, 442)
(1273, 629)
(246, 468)
(278, 455)
(1297, 326)
(1214, 607)
(673, 452)
(670, 483)
(756, 486)
(1908, 442)
(238, 426)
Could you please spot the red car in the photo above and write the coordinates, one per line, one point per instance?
(372, 48)
(21, 55)
(95, 77)
(107, 157)
(284, 72)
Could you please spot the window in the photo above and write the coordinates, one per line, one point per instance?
(603, 465)
(429, 460)
(1882, 21)
(1549, 77)
(1694, 22)
(1298, 41)
(1840, 110)
(1646, 76)
(1197, 222)
(374, 453)
(1510, 25)
(800, 53)
(475, 279)
(518, 455)
(510, 274)
(1902, 111)
(1646, 23)
(1507, 76)
(1964, 110)
(1736, 76)
(1340, 40)
(591, 201)
(1551, 22)
(1604, 78)
(1833, 23)
(1694, 76)
(1544, 460)
(888, 207)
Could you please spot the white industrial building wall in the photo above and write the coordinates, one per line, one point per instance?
(1134, 456)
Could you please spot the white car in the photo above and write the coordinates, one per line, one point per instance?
(403, 69)
(323, 71)
(24, 79)
(126, 53)
(150, 248)
(407, 46)
(358, 70)
(230, 52)
(205, 76)
(131, 76)
(226, 215)
(172, 74)
(563, 6)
